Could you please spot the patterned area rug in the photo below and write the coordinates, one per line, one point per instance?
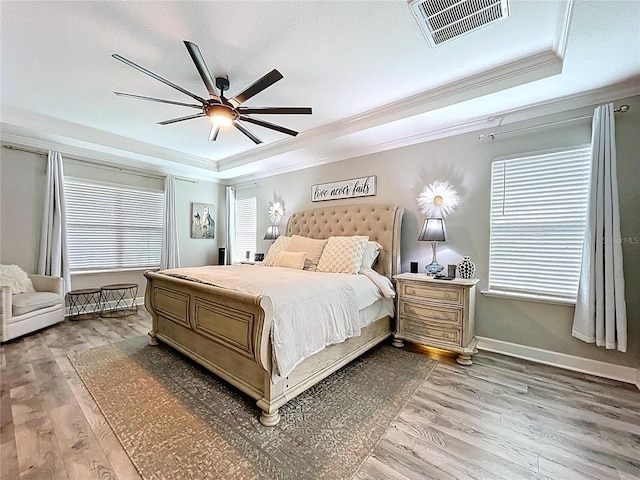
(177, 421)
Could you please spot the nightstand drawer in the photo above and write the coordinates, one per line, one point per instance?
(434, 293)
(451, 336)
(448, 315)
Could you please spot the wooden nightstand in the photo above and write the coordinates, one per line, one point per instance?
(436, 313)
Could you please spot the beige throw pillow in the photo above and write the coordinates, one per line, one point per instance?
(290, 260)
(312, 247)
(278, 246)
(343, 254)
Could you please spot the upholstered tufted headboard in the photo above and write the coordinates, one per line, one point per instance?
(381, 223)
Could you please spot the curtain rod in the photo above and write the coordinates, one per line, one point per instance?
(491, 136)
(99, 165)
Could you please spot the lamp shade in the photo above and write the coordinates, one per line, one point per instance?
(433, 230)
(272, 232)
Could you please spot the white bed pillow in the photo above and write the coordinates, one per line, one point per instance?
(281, 243)
(16, 279)
(382, 282)
(312, 247)
(371, 252)
(343, 254)
(290, 260)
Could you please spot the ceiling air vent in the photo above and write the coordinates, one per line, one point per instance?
(444, 20)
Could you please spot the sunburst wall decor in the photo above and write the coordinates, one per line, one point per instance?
(438, 199)
(276, 213)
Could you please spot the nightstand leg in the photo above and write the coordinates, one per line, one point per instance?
(397, 342)
(464, 359)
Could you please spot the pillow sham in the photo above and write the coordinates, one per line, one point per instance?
(312, 247)
(343, 254)
(281, 243)
(370, 255)
(290, 260)
(16, 279)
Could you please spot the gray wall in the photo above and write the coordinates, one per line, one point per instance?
(466, 163)
(402, 173)
(22, 183)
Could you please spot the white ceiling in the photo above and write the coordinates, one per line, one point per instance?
(364, 67)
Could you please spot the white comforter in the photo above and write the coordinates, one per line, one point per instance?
(311, 310)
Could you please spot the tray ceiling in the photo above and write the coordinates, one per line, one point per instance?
(365, 68)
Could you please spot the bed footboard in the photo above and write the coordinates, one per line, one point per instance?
(225, 331)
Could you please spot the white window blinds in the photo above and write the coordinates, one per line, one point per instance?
(112, 227)
(246, 228)
(538, 214)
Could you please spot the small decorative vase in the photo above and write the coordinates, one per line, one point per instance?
(465, 268)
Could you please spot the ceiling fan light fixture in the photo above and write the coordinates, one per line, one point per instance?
(220, 115)
(221, 120)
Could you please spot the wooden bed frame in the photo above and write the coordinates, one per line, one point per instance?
(228, 332)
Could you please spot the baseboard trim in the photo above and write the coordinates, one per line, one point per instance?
(562, 360)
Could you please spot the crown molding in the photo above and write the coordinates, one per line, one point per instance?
(120, 159)
(66, 133)
(560, 47)
(591, 98)
(538, 110)
(529, 69)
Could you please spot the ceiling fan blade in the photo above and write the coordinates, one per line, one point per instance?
(272, 126)
(159, 100)
(203, 70)
(180, 119)
(213, 135)
(276, 110)
(246, 131)
(157, 77)
(269, 79)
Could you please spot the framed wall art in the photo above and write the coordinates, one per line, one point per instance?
(203, 224)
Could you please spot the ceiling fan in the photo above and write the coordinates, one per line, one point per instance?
(221, 110)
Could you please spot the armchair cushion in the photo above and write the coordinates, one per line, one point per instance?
(28, 302)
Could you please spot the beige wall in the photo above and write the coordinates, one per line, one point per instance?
(22, 182)
(466, 162)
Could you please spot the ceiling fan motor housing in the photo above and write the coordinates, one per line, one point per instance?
(222, 83)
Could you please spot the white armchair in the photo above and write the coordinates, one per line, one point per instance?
(24, 313)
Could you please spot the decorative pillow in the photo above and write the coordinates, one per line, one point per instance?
(14, 277)
(281, 243)
(290, 260)
(311, 246)
(371, 252)
(343, 254)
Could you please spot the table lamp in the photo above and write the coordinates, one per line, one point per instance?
(433, 231)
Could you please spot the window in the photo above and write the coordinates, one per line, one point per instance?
(246, 228)
(112, 227)
(538, 215)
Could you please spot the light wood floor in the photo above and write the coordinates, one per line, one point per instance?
(501, 418)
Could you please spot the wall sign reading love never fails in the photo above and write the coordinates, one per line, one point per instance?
(355, 187)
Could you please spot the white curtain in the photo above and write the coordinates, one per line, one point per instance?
(170, 256)
(601, 312)
(231, 224)
(54, 259)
